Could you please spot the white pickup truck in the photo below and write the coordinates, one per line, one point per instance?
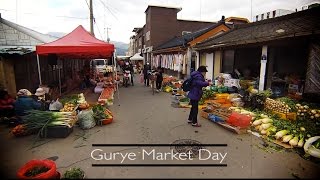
(99, 65)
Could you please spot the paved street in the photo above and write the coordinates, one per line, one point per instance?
(141, 117)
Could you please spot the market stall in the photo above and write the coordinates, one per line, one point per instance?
(239, 107)
(65, 114)
(79, 44)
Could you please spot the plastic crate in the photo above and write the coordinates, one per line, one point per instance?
(56, 132)
(287, 116)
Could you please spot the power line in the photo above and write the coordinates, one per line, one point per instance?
(108, 9)
(87, 4)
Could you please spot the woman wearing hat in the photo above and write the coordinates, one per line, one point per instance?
(195, 94)
(42, 98)
(25, 102)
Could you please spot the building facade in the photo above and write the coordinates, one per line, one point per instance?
(161, 25)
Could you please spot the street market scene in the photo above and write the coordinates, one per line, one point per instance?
(233, 97)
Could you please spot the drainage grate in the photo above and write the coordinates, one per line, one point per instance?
(187, 145)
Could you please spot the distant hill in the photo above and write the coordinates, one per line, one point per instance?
(121, 47)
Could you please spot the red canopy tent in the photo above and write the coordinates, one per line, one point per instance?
(78, 44)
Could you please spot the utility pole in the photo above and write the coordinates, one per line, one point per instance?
(91, 19)
(108, 39)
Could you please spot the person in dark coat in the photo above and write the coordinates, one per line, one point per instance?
(159, 79)
(195, 94)
(6, 104)
(25, 102)
(146, 69)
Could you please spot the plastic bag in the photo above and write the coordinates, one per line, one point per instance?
(50, 174)
(86, 119)
(55, 105)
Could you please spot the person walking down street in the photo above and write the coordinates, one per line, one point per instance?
(159, 79)
(146, 69)
(195, 94)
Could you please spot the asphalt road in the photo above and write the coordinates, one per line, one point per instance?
(143, 118)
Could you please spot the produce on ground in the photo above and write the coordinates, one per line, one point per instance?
(277, 106)
(307, 112)
(107, 93)
(206, 95)
(101, 112)
(72, 99)
(68, 107)
(74, 173)
(20, 130)
(38, 120)
(81, 98)
(35, 171)
(312, 146)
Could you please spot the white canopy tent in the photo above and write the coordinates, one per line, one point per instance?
(136, 57)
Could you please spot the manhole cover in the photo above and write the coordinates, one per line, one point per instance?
(186, 146)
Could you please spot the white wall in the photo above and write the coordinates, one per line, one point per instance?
(12, 37)
(197, 60)
(209, 64)
(217, 63)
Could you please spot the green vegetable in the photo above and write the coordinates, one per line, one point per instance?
(38, 120)
(74, 173)
(294, 141)
(287, 138)
(281, 133)
(99, 112)
(36, 170)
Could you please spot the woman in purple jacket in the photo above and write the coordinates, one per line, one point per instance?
(195, 94)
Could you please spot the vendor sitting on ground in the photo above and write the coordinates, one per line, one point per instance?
(6, 104)
(43, 98)
(25, 102)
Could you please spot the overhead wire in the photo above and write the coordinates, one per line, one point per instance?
(95, 22)
(109, 10)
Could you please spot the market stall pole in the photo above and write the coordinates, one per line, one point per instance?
(116, 73)
(39, 71)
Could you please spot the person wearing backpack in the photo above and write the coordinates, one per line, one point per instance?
(197, 83)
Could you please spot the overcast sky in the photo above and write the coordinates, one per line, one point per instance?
(121, 16)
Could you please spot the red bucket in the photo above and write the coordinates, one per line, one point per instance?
(239, 120)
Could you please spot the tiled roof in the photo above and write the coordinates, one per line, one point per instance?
(185, 39)
(301, 23)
